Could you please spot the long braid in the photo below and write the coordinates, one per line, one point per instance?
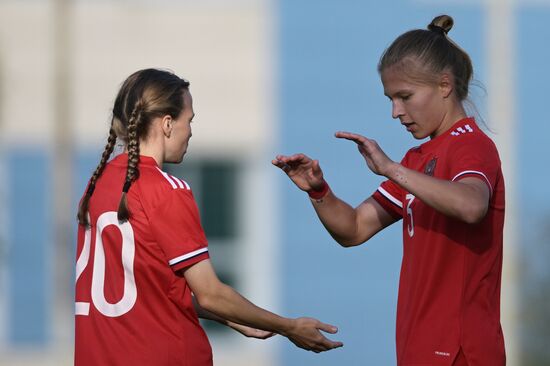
(84, 204)
(144, 95)
(132, 170)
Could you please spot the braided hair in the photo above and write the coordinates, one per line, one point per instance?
(145, 95)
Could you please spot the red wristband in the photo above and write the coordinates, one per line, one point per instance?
(317, 194)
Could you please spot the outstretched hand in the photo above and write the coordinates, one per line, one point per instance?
(303, 171)
(250, 332)
(306, 334)
(376, 158)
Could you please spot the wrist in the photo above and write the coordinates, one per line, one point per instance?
(320, 192)
(287, 326)
(393, 171)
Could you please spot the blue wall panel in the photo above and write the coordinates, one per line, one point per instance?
(30, 243)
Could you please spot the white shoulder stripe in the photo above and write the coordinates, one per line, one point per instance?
(167, 178)
(390, 197)
(192, 254)
(181, 182)
(178, 182)
(475, 172)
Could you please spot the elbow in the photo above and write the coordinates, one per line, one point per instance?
(205, 301)
(474, 214)
(208, 300)
(351, 238)
(347, 243)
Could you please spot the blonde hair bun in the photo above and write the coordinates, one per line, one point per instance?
(441, 22)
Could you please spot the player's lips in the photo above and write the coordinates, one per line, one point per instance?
(408, 125)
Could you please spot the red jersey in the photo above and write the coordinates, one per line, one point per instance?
(131, 307)
(449, 287)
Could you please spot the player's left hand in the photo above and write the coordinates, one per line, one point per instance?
(376, 158)
(250, 332)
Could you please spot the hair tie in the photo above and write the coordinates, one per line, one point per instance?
(126, 187)
(437, 29)
(90, 189)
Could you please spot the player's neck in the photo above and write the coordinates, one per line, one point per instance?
(153, 150)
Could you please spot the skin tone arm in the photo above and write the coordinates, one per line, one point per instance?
(223, 301)
(466, 200)
(347, 225)
(243, 329)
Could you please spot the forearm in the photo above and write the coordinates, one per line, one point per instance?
(338, 218)
(454, 199)
(205, 314)
(226, 305)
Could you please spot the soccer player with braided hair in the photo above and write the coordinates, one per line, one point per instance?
(137, 215)
(449, 192)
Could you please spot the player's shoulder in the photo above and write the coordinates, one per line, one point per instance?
(468, 132)
(157, 184)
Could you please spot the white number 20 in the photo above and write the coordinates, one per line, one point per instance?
(410, 228)
(98, 276)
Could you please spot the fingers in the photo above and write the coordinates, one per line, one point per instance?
(327, 328)
(325, 344)
(296, 158)
(315, 167)
(281, 165)
(249, 331)
(261, 334)
(287, 163)
(309, 336)
(359, 139)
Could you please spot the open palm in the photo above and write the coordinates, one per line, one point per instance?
(302, 170)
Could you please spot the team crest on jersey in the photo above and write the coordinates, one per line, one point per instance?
(430, 167)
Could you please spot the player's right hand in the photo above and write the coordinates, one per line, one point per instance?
(303, 171)
(306, 333)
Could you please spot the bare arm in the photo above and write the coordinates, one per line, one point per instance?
(466, 200)
(220, 299)
(351, 226)
(347, 225)
(243, 329)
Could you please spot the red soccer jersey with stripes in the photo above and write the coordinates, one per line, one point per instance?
(131, 306)
(449, 287)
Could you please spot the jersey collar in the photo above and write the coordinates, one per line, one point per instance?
(122, 159)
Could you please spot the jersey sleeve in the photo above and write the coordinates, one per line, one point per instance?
(177, 228)
(475, 157)
(390, 196)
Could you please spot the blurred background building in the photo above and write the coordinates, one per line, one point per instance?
(267, 77)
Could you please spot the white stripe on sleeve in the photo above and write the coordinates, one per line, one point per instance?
(474, 172)
(192, 254)
(386, 194)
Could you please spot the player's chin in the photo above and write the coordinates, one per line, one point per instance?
(419, 135)
(176, 159)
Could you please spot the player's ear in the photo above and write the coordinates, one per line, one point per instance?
(167, 123)
(445, 85)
